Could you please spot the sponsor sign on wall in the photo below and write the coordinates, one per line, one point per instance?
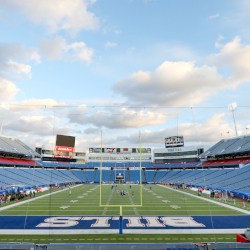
(64, 149)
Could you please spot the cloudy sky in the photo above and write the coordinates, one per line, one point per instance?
(77, 67)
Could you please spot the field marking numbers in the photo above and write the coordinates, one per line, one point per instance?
(85, 194)
(154, 194)
(159, 197)
(166, 201)
(74, 201)
(64, 207)
(80, 197)
(175, 206)
(89, 191)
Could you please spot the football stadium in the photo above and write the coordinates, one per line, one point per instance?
(124, 124)
(196, 198)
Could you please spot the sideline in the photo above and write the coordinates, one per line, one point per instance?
(33, 199)
(212, 201)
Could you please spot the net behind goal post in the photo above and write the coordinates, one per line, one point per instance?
(109, 193)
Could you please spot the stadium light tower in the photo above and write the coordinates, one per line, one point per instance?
(5, 106)
(232, 107)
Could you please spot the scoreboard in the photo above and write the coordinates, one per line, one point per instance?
(120, 150)
(174, 141)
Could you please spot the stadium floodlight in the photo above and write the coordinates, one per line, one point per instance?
(232, 107)
(5, 106)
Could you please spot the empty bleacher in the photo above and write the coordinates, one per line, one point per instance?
(229, 146)
(26, 176)
(13, 145)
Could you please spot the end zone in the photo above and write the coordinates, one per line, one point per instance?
(39, 225)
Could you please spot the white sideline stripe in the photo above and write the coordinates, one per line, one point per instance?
(163, 206)
(184, 231)
(57, 231)
(212, 201)
(33, 199)
(116, 231)
(127, 208)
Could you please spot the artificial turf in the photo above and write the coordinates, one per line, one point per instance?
(85, 200)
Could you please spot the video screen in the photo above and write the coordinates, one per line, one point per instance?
(65, 141)
(174, 141)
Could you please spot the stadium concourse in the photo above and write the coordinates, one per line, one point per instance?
(183, 203)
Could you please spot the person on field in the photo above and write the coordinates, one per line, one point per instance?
(69, 191)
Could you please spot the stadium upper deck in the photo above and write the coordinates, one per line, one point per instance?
(234, 152)
(237, 146)
(13, 146)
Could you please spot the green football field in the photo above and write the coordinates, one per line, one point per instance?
(85, 199)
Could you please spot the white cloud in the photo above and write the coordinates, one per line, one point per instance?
(214, 16)
(56, 15)
(184, 83)
(7, 90)
(12, 52)
(117, 32)
(121, 118)
(236, 56)
(56, 49)
(34, 104)
(38, 125)
(19, 68)
(209, 132)
(110, 45)
(217, 44)
(10, 55)
(172, 83)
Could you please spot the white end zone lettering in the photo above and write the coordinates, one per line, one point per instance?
(60, 222)
(181, 222)
(100, 221)
(153, 222)
(134, 222)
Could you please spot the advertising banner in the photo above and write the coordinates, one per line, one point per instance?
(64, 149)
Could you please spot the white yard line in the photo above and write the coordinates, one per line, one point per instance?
(33, 199)
(136, 211)
(212, 201)
(106, 208)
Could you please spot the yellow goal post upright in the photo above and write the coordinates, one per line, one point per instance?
(122, 205)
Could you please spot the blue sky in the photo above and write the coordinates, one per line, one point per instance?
(77, 67)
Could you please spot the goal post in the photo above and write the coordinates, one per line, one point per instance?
(140, 184)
